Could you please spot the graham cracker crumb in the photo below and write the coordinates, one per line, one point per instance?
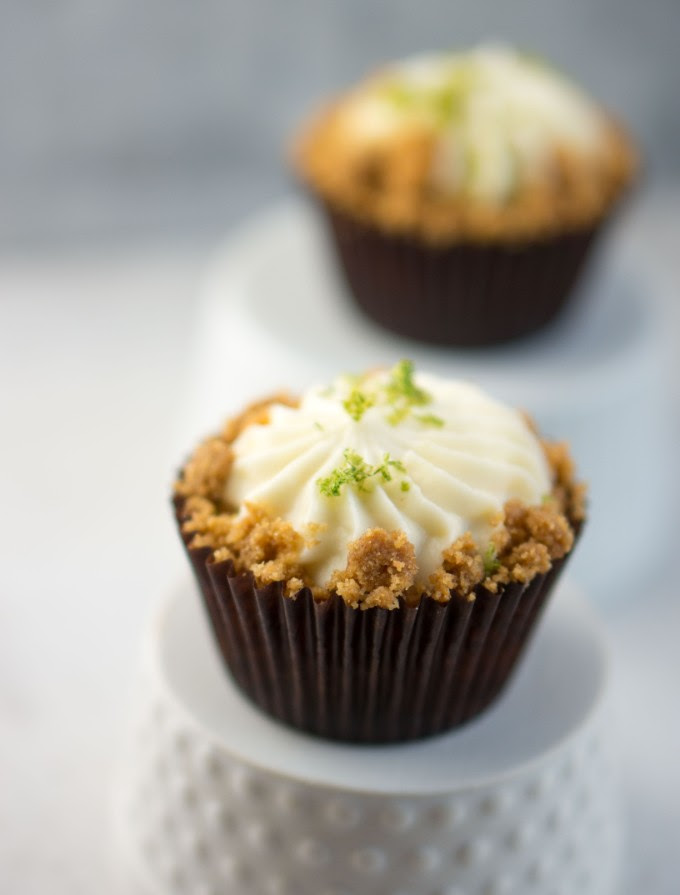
(543, 524)
(528, 542)
(381, 567)
(523, 563)
(461, 571)
(206, 471)
(569, 494)
(255, 541)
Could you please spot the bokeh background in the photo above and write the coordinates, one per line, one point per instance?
(159, 119)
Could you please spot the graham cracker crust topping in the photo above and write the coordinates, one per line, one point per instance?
(381, 566)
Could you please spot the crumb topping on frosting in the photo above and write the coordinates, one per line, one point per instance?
(381, 567)
(382, 564)
(491, 144)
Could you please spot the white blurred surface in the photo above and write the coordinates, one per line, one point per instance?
(94, 354)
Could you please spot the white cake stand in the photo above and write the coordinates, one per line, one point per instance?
(274, 315)
(215, 797)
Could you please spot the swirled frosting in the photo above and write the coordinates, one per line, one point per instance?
(433, 458)
(498, 115)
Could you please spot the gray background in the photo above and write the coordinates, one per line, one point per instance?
(124, 120)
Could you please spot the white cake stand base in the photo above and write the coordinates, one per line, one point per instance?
(216, 798)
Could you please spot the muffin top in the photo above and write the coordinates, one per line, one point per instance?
(381, 486)
(490, 143)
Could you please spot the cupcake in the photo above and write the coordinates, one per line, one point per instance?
(464, 191)
(375, 555)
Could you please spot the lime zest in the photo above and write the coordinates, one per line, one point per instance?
(430, 419)
(443, 104)
(402, 393)
(490, 560)
(399, 94)
(356, 471)
(399, 395)
(357, 403)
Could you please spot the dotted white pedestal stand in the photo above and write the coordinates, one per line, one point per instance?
(217, 799)
(274, 315)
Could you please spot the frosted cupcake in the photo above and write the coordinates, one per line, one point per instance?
(374, 556)
(464, 191)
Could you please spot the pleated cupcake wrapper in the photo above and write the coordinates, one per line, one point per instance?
(367, 676)
(466, 294)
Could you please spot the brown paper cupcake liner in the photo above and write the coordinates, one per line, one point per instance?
(466, 294)
(367, 676)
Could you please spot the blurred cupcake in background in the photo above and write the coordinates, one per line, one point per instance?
(464, 191)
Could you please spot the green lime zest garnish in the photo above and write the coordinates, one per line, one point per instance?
(448, 102)
(490, 560)
(357, 403)
(443, 103)
(429, 419)
(356, 471)
(402, 393)
(401, 385)
(405, 486)
(399, 395)
(399, 94)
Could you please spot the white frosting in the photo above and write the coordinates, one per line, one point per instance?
(509, 112)
(460, 456)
